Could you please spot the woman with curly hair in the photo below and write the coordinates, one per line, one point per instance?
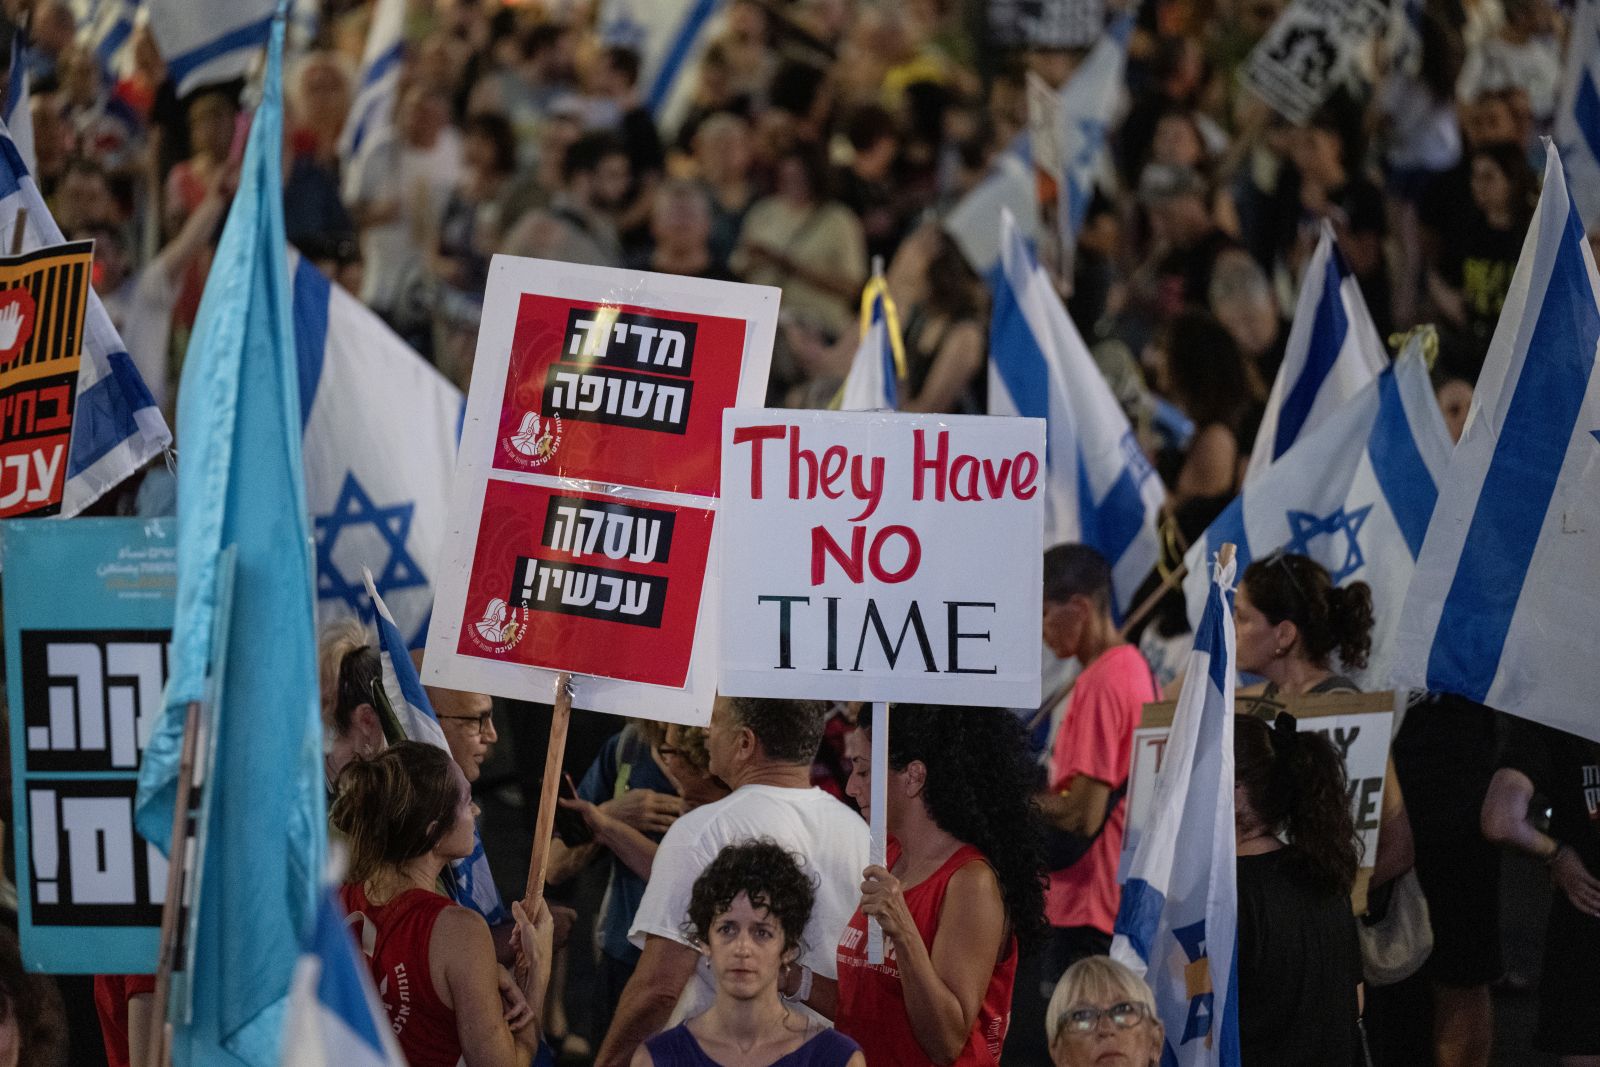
(747, 912)
(964, 882)
(1299, 958)
(1291, 619)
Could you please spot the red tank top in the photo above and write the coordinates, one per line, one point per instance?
(872, 1006)
(394, 937)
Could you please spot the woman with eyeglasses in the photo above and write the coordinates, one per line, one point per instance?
(1290, 619)
(1299, 961)
(1101, 1013)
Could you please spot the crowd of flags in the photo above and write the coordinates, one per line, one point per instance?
(1480, 555)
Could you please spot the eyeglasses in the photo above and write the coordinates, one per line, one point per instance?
(1124, 1016)
(484, 721)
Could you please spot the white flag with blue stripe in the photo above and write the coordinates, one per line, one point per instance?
(106, 28)
(381, 426)
(116, 426)
(18, 111)
(1089, 101)
(471, 883)
(670, 37)
(1099, 489)
(1505, 605)
(371, 118)
(1355, 495)
(335, 1018)
(1177, 925)
(1332, 353)
(1010, 186)
(873, 383)
(1577, 127)
(209, 41)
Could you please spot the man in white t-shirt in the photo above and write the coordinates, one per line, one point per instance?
(763, 749)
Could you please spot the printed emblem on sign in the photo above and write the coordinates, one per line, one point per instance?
(537, 439)
(501, 627)
(16, 322)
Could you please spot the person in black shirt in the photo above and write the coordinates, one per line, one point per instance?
(1565, 770)
(1299, 959)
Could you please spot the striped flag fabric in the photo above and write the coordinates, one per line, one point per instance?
(670, 37)
(1010, 186)
(117, 427)
(1355, 495)
(18, 111)
(106, 27)
(1089, 101)
(335, 1018)
(1577, 125)
(1505, 603)
(873, 383)
(471, 883)
(1333, 351)
(1099, 489)
(209, 41)
(371, 117)
(1177, 925)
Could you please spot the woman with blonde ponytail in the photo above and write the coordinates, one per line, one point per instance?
(406, 812)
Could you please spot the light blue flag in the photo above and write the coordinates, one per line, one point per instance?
(1577, 126)
(1505, 605)
(1333, 351)
(471, 883)
(371, 118)
(335, 1016)
(1178, 922)
(1099, 489)
(241, 486)
(1355, 495)
(209, 41)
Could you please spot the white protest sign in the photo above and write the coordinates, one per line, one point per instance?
(881, 557)
(1358, 724)
(1296, 66)
(583, 514)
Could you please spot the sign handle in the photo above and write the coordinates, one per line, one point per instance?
(878, 851)
(544, 824)
(159, 1051)
(19, 231)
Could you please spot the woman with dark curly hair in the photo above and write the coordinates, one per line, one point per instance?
(1291, 619)
(747, 912)
(1299, 959)
(964, 882)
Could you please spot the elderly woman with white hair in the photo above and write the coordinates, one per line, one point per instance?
(1101, 1013)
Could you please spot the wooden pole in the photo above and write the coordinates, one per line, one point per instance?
(1225, 554)
(1148, 604)
(544, 824)
(19, 231)
(878, 851)
(160, 1048)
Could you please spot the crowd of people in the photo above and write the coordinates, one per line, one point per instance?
(815, 137)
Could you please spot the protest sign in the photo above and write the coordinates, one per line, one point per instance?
(583, 513)
(1296, 66)
(882, 557)
(88, 619)
(43, 297)
(1358, 724)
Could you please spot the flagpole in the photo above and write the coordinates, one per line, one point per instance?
(159, 1051)
(879, 816)
(544, 824)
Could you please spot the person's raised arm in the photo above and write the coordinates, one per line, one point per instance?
(461, 954)
(664, 968)
(943, 987)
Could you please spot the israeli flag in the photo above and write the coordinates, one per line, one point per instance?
(1099, 489)
(106, 28)
(209, 41)
(371, 118)
(1332, 353)
(1011, 187)
(471, 883)
(1089, 101)
(18, 110)
(380, 446)
(116, 427)
(879, 363)
(1577, 128)
(1505, 604)
(1177, 925)
(335, 1018)
(670, 37)
(1355, 495)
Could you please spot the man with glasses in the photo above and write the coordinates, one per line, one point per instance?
(468, 723)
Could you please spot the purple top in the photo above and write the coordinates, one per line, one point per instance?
(678, 1048)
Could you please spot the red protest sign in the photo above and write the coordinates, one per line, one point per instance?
(618, 393)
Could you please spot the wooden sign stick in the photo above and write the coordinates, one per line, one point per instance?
(159, 1052)
(878, 851)
(544, 824)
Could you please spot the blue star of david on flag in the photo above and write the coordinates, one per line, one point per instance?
(355, 511)
(1197, 980)
(1306, 526)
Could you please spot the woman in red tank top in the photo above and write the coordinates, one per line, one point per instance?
(963, 882)
(406, 813)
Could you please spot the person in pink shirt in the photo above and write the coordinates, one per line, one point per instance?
(1085, 803)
